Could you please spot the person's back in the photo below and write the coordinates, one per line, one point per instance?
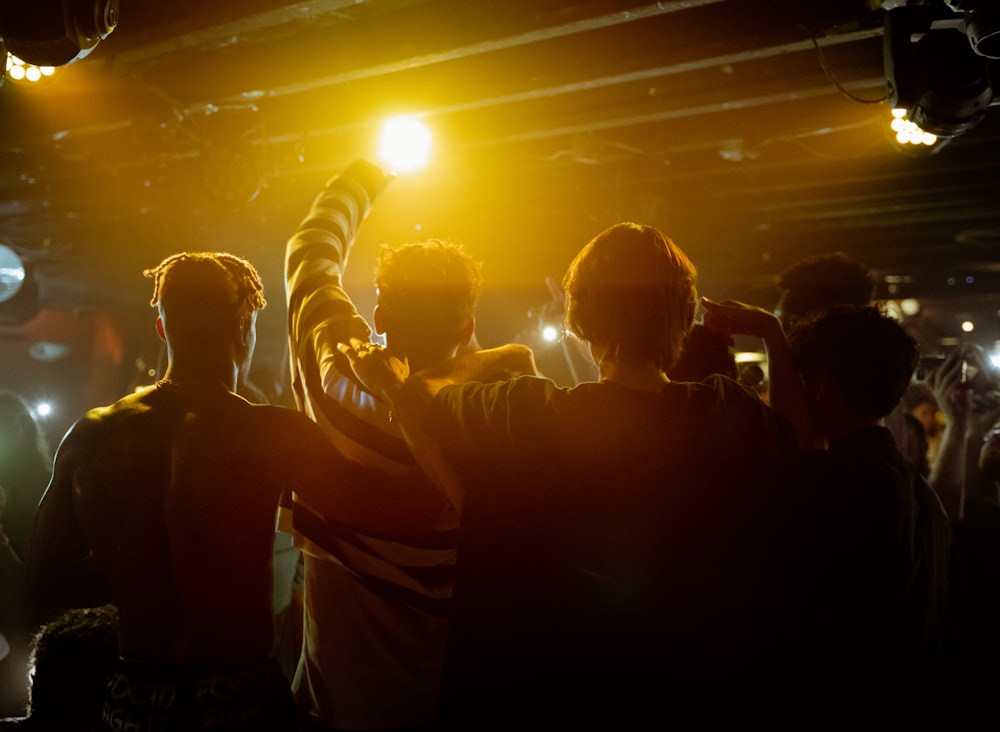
(875, 546)
(176, 488)
(164, 504)
(616, 537)
(633, 531)
(376, 603)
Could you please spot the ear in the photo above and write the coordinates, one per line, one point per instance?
(378, 320)
(159, 329)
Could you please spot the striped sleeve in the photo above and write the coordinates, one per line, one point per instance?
(415, 567)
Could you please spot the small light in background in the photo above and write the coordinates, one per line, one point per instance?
(48, 351)
(995, 359)
(43, 409)
(405, 144)
(910, 306)
(749, 357)
(968, 326)
(551, 334)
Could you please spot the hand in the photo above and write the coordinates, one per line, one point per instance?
(382, 373)
(953, 393)
(736, 318)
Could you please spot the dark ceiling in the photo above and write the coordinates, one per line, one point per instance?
(210, 125)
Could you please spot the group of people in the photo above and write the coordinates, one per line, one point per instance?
(483, 549)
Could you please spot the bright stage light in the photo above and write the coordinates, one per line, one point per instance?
(19, 70)
(908, 132)
(43, 409)
(968, 326)
(405, 144)
(551, 333)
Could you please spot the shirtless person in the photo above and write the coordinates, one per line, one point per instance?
(164, 504)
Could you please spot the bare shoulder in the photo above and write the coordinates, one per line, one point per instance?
(94, 427)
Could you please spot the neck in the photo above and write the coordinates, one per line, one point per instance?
(227, 375)
(645, 377)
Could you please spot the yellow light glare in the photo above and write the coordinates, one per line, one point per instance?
(909, 306)
(550, 333)
(47, 70)
(928, 138)
(903, 137)
(968, 326)
(898, 112)
(405, 144)
(33, 73)
(898, 124)
(16, 72)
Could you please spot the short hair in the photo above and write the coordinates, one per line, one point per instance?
(202, 291)
(869, 356)
(631, 289)
(428, 289)
(821, 282)
(71, 657)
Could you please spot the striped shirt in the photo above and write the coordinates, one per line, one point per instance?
(375, 605)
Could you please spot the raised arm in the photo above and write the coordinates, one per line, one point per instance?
(320, 313)
(967, 420)
(61, 570)
(786, 394)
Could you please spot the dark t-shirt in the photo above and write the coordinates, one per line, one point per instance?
(609, 537)
(872, 568)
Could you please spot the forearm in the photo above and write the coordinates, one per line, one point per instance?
(316, 255)
(410, 403)
(786, 393)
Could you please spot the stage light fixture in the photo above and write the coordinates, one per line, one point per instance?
(982, 24)
(932, 71)
(55, 32)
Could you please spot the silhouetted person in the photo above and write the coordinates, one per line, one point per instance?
(164, 504)
(965, 386)
(615, 556)
(875, 541)
(71, 658)
(17, 624)
(25, 465)
(817, 283)
(376, 603)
